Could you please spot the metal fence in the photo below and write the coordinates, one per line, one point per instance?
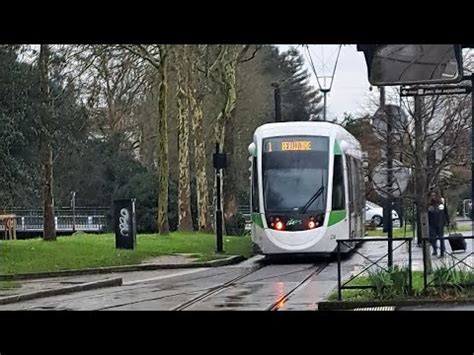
(459, 263)
(353, 243)
(93, 219)
(244, 211)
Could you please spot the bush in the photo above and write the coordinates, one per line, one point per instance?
(390, 284)
(446, 277)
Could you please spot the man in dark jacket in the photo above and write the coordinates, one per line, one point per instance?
(438, 218)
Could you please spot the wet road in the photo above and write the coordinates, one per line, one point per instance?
(252, 285)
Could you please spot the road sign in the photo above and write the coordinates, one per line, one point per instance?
(379, 121)
(401, 176)
(435, 90)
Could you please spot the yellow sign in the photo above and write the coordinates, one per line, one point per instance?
(296, 145)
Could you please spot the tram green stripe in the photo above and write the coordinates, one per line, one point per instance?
(336, 217)
(337, 148)
(257, 219)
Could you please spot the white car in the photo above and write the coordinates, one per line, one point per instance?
(374, 213)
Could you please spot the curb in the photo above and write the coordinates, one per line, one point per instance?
(348, 306)
(62, 291)
(109, 269)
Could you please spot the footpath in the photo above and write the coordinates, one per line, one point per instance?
(38, 285)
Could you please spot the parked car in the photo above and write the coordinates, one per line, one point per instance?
(374, 213)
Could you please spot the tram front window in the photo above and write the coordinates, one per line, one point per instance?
(294, 170)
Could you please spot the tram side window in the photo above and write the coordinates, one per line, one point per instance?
(254, 186)
(350, 180)
(338, 200)
(356, 183)
(360, 178)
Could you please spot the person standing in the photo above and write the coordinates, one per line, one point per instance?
(438, 218)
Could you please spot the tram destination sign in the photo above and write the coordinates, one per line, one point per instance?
(295, 144)
(435, 90)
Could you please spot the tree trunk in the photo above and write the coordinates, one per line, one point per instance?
(200, 156)
(202, 189)
(225, 116)
(163, 166)
(185, 222)
(49, 228)
(231, 202)
(421, 178)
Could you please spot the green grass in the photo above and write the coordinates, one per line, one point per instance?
(418, 292)
(397, 233)
(88, 251)
(400, 232)
(8, 285)
(367, 295)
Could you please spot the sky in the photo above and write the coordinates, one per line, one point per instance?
(350, 89)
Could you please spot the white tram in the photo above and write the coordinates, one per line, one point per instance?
(307, 187)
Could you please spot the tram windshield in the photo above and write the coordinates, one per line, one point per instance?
(294, 170)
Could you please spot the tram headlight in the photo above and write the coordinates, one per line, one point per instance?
(314, 222)
(276, 223)
(279, 225)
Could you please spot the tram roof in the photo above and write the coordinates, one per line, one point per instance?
(328, 128)
(307, 128)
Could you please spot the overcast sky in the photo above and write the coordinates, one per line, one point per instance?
(350, 89)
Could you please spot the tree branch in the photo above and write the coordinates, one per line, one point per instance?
(257, 48)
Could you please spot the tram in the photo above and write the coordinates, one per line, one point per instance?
(307, 188)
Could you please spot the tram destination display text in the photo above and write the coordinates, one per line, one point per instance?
(294, 144)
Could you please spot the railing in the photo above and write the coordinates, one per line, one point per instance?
(66, 219)
(352, 243)
(243, 210)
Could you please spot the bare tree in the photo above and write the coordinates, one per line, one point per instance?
(430, 140)
(158, 57)
(198, 70)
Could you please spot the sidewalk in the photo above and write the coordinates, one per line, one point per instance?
(445, 307)
(28, 286)
(38, 287)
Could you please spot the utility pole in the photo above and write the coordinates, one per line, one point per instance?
(388, 202)
(472, 146)
(421, 183)
(325, 93)
(219, 162)
(277, 96)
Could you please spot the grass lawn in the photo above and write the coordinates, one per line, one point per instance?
(87, 251)
(8, 285)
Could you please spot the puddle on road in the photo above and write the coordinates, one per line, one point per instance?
(232, 305)
(40, 308)
(237, 299)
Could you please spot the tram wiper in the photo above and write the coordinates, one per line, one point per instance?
(312, 199)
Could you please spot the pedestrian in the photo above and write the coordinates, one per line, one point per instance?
(438, 218)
